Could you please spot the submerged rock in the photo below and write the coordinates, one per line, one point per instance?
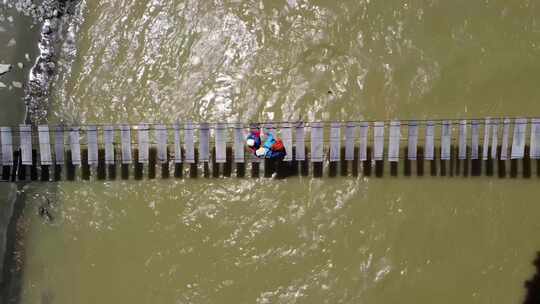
(17, 84)
(45, 211)
(4, 68)
(2, 85)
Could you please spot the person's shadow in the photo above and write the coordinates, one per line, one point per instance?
(533, 285)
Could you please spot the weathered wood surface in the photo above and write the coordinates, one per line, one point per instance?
(475, 139)
(378, 140)
(535, 138)
(510, 137)
(25, 134)
(412, 148)
(446, 140)
(239, 146)
(75, 145)
(221, 143)
(300, 142)
(144, 143)
(494, 138)
(204, 142)
(462, 149)
(160, 132)
(108, 138)
(189, 142)
(335, 142)
(286, 137)
(93, 145)
(125, 139)
(44, 145)
(364, 132)
(485, 145)
(518, 142)
(59, 145)
(506, 134)
(177, 144)
(429, 151)
(7, 146)
(317, 140)
(394, 139)
(351, 136)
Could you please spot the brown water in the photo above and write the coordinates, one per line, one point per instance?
(344, 240)
(18, 35)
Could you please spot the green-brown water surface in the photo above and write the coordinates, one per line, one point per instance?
(299, 240)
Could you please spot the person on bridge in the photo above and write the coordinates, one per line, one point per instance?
(253, 140)
(272, 147)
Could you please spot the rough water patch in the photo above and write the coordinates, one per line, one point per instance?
(57, 43)
(4, 68)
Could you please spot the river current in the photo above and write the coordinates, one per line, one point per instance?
(299, 240)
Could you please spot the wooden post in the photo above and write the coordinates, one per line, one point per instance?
(108, 137)
(378, 148)
(335, 148)
(317, 148)
(394, 140)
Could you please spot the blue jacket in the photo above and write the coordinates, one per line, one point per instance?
(268, 143)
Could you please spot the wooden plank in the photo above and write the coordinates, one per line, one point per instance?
(286, 137)
(204, 142)
(335, 142)
(269, 128)
(92, 140)
(412, 148)
(351, 133)
(177, 144)
(125, 139)
(446, 139)
(144, 142)
(239, 148)
(108, 138)
(506, 134)
(75, 145)
(59, 145)
(221, 143)
(378, 140)
(317, 139)
(160, 132)
(462, 149)
(300, 142)
(25, 133)
(364, 130)
(7, 146)
(44, 145)
(189, 142)
(535, 138)
(494, 138)
(394, 140)
(475, 138)
(429, 153)
(485, 145)
(518, 142)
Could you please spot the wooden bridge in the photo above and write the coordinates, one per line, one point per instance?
(491, 146)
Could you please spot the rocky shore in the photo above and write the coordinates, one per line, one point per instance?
(33, 35)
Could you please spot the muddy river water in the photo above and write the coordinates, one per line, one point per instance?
(299, 240)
